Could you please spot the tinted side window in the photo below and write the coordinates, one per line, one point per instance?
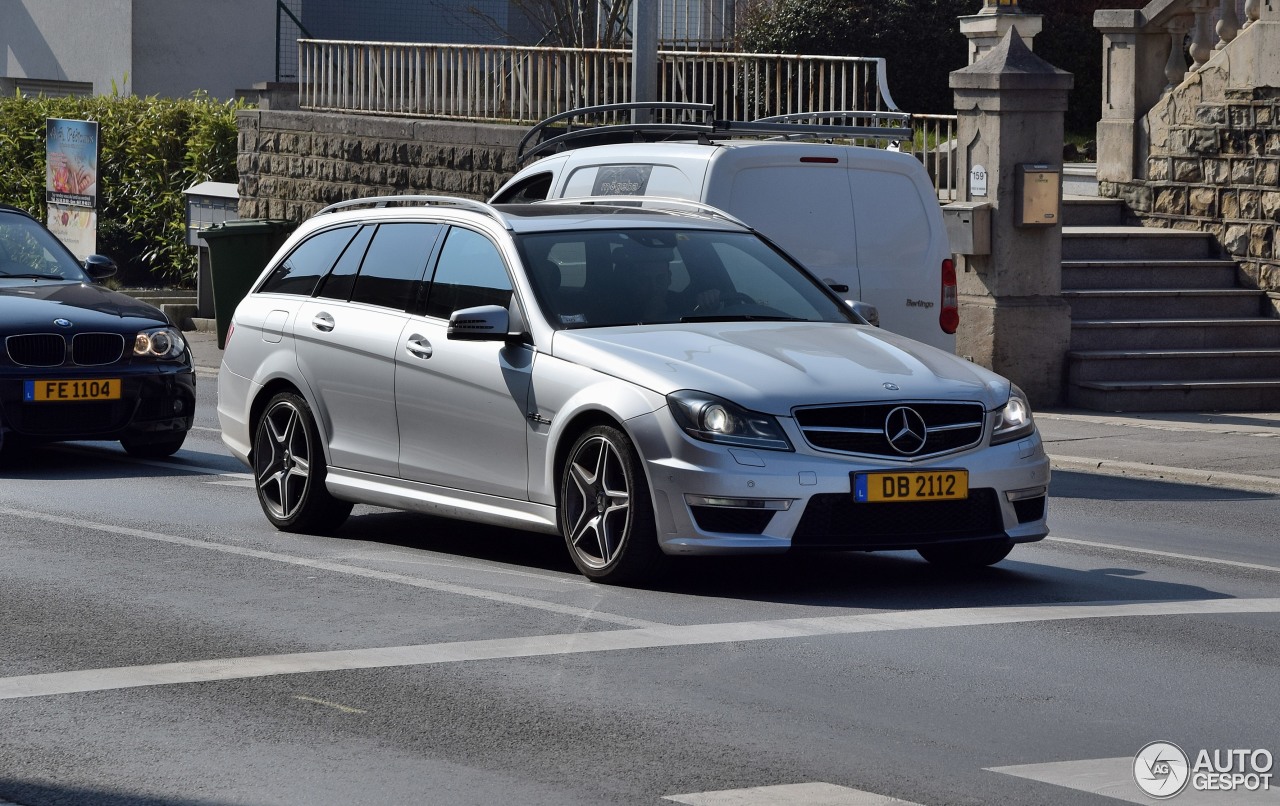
(470, 273)
(340, 281)
(394, 263)
(535, 188)
(305, 265)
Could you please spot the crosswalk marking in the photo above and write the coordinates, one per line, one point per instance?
(1113, 778)
(809, 794)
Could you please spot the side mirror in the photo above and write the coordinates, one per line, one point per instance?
(482, 323)
(866, 310)
(99, 267)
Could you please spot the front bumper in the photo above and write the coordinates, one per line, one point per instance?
(711, 499)
(155, 400)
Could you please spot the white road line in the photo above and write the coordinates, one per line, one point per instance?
(341, 568)
(1113, 778)
(43, 685)
(1157, 553)
(810, 794)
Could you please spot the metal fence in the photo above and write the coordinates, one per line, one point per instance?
(517, 84)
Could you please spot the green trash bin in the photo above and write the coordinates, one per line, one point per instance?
(238, 252)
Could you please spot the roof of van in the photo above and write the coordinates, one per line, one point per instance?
(733, 150)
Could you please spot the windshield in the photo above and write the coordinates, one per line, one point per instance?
(30, 251)
(601, 278)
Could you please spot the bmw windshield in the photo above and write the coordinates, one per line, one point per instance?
(29, 251)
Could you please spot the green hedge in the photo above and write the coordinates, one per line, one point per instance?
(151, 149)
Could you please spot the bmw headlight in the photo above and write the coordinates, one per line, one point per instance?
(161, 343)
(1015, 418)
(714, 419)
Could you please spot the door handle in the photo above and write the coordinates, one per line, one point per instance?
(322, 322)
(418, 346)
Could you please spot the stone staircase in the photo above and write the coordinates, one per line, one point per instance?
(1158, 322)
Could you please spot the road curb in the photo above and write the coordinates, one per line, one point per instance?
(1181, 475)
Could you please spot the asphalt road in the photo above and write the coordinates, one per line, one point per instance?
(161, 644)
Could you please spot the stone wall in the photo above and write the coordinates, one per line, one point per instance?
(293, 163)
(1213, 165)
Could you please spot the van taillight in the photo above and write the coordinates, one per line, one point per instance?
(949, 318)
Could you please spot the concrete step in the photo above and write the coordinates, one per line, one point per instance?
(1135, 243)
(1170, 365)
(1152, 274)
(1116, 303)
(1174, 334)
(1092, 211)
(1080, 178)
(1221, 394)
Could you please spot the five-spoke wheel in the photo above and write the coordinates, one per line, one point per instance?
(289, 469)
(606, 514)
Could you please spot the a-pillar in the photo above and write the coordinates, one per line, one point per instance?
(1013, 320)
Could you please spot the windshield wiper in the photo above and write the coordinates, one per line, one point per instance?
(29, 277)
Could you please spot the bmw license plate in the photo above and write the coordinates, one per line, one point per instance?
(928, 485)
(55, 391)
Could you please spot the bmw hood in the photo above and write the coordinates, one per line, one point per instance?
(33, 306)
(774, 366)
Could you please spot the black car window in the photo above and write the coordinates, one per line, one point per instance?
(338, 283)
(305, 265)
(28, 249)
(470, 272)
(535, 188)
(394, 263)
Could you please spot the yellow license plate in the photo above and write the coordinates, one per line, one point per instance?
(54, 391)
(929, 485)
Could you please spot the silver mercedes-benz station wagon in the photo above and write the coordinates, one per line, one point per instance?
(646, 381)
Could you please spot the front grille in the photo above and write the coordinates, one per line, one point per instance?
(860, 428)
(732, 520)
(96, 349)
(837, 521)
(37, 349)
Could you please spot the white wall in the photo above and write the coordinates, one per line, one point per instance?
(215, 45)
(67, 40)
(146, 47)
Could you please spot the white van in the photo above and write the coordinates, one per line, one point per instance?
(865, 218)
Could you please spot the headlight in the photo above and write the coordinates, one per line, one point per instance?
(714, 419)
(159, 343)
(1015, 418)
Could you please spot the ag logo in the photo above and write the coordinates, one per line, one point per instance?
(1161, 769)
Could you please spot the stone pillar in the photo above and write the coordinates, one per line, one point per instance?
(1013, 320)
(1135, 71)
(990, 25)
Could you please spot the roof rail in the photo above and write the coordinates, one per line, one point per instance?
(789, 126)
(640, 201)
(411, 199)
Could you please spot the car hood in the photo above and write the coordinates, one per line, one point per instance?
(775, 366)
(33, 305)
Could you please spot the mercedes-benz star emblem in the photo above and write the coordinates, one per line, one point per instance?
(892, 387)
(62, 322)
(905, 430)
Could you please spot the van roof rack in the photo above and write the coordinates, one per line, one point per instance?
(409, 199)
(658, 202)
(700, 123)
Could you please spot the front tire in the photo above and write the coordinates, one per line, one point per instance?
(289, 469)
(606, 513)
(153, 448)
(967, 556)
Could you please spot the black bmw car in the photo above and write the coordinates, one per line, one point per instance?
(79, 361)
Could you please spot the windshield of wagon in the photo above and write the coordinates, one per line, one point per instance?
(29, 251)
(602, 278)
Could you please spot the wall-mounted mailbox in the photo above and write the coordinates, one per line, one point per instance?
(1039, 195)
(968, 227)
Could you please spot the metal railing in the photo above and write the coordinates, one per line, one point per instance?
(934, 144)
(527, 84)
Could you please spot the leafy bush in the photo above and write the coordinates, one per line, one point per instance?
(151, 149)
